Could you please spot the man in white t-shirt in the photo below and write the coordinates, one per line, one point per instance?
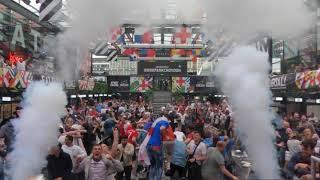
(197, 151)
(75, 152)
(179, 135)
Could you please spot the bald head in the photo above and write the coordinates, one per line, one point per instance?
(220, 145)
(286, 124)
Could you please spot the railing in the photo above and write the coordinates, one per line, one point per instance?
(168, 46)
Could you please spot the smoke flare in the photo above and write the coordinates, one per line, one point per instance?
(244, 77)
(36, 129)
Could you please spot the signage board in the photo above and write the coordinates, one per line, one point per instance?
(162, 68)
(203, 83)
(282, 81)
(118, 83)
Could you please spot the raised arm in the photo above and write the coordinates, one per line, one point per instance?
(115, 142)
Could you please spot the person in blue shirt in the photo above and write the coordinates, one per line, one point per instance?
(208, 140)
(179, 159)
(99, 107)
(154, 148)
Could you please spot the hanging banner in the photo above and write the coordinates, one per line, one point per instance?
(141, 84)
(118, 83)
(282, 81)
(86, 84)
(182, 85)
(12, 78)
(169, 68)
(308, 80)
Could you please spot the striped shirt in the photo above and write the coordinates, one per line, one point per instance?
(97, 170)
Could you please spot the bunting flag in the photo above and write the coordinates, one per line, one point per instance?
(85, 66)
(194, 58)
(19, 80)
(141, 84)
(14, 79)
(129, 51)
(197, 52)
(177, 52)
(129, 37)
(8, 75)
(133, 57)
(1, 77)
(308, 80)
(27, 78)
(181, 84)
(147, 53)
(181, 53)
(183, 35)
(143, 37)
(87, 84)
(117, 35)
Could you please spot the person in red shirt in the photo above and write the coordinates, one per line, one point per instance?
(189, 132)
(132, 134)
(121, 123)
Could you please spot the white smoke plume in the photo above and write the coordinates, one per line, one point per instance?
(244, 73)
(244, 18)
(93, 20)
(36, 129)
(244, 78)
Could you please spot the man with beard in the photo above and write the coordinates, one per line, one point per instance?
(98, 166)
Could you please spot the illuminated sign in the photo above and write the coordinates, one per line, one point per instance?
(14, 58)
(6, 99)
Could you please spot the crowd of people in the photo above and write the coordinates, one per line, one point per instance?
(125, 139)
(118, 139)
(296, 141)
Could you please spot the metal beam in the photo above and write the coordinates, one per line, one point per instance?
(162, 24)
(167, 46)
(102, 60)
(12, 5)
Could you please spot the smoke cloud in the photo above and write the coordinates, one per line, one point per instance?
(91, 21)
(36, 130)
(244, 77)
(244, 18)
